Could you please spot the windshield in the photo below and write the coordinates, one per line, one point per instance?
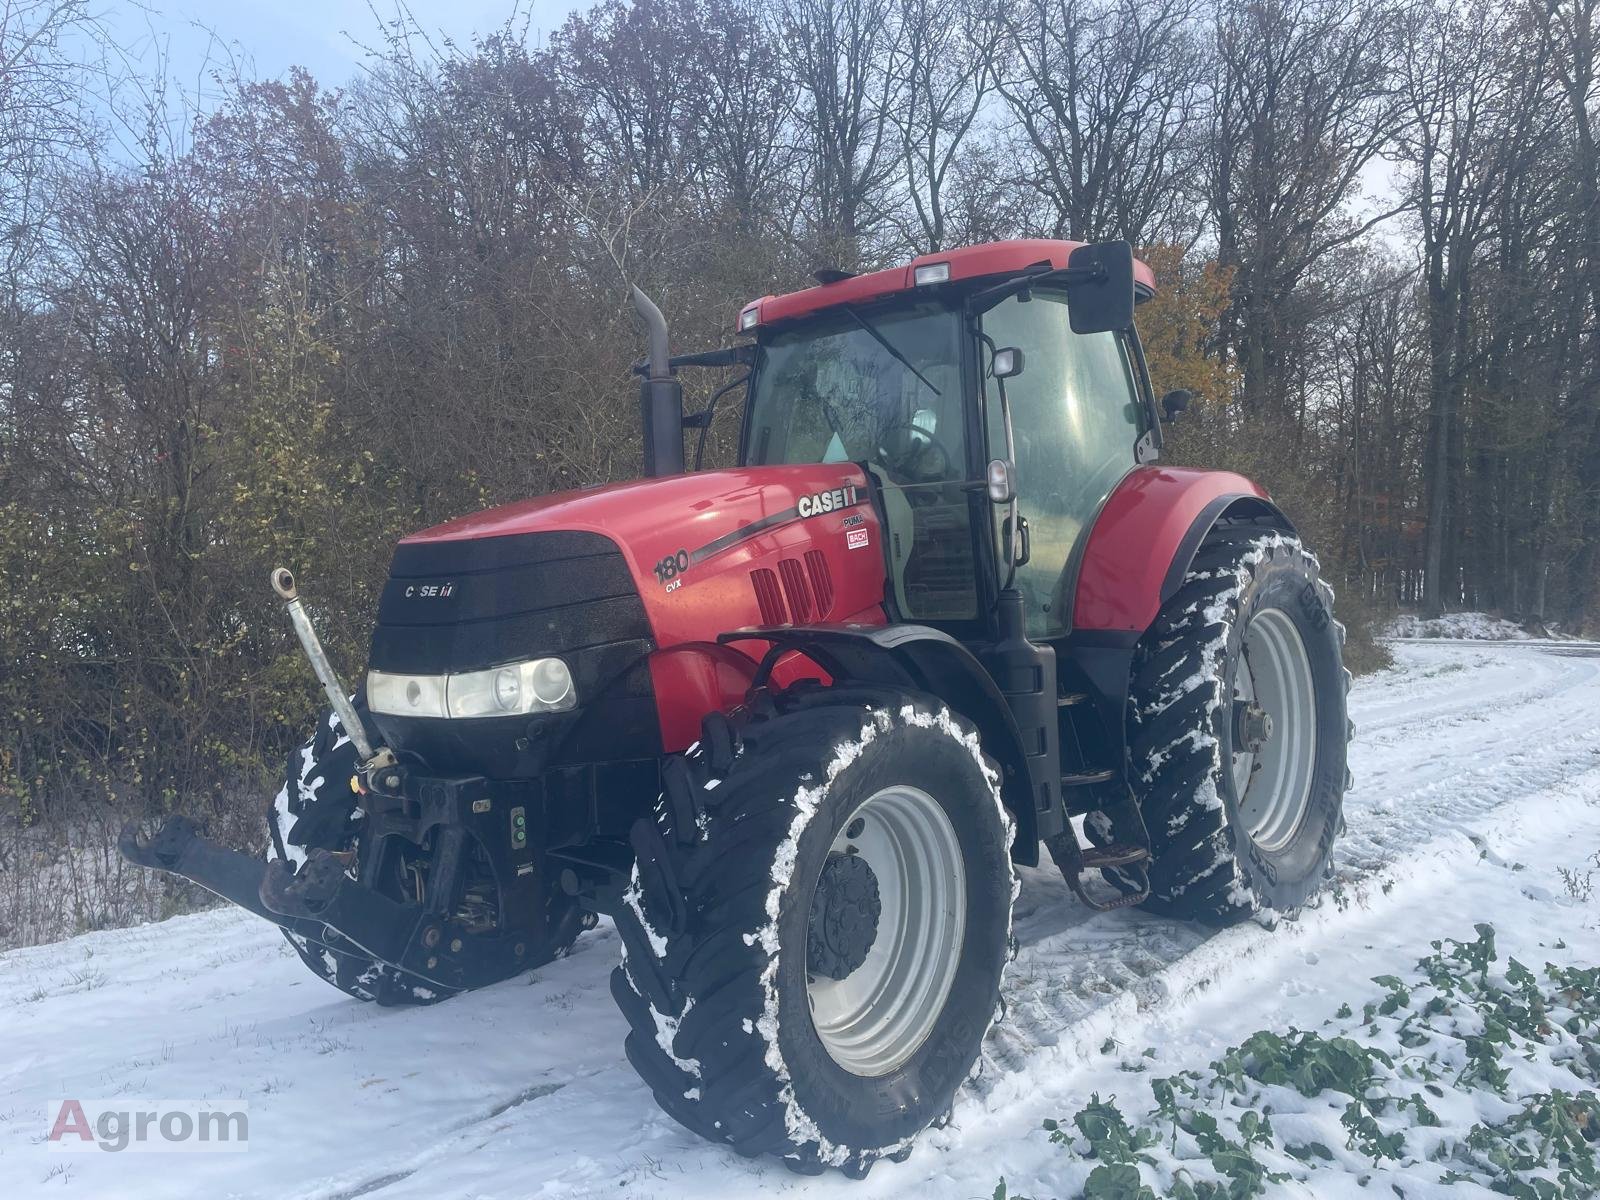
(881, 387)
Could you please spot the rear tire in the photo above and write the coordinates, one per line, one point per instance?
(782, 997)
(1238, 730)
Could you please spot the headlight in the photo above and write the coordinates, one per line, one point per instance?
(406, 695)
(539, 685)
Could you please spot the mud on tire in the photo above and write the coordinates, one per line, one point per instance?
(720, 931)
(1219, 853)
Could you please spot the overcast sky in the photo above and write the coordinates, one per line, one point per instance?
(320, 35)
(327, 38)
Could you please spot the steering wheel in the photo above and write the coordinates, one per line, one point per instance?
(905, 449)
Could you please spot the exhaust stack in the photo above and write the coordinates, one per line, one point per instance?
(660, 397)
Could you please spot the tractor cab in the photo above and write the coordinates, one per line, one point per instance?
(995, 396)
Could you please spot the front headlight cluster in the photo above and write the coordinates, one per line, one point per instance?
(538, 685)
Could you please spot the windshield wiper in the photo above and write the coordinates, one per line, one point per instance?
(884, 342)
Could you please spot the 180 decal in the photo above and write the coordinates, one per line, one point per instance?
(670, 567)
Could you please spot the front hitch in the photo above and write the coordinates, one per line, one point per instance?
(323, 905)
(179, 849)
(322, 892)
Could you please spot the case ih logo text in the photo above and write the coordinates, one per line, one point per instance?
(431, 591)
(165, 1127)
(827, 502)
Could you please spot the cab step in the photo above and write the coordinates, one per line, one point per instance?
(1115, 855)
(1125, 852)
(1087, 778)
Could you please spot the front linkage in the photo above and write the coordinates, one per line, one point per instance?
(468, 834)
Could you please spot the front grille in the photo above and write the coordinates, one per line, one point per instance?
(465, 605)
(821, 582)
(769, 599)
(808, 590)
(795, 589)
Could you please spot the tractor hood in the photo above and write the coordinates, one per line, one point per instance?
(718, 550)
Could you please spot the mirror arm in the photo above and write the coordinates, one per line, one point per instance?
(703, 418)
(725, 356)
(981, 302)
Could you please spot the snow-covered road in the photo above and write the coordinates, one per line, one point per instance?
(1477, 772)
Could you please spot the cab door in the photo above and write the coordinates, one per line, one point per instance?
(1078, 414)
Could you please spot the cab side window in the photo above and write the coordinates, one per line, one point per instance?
(1075, 417)
(884, 389)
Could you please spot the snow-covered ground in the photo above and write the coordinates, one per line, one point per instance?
(1474, 626)
(1477, 772)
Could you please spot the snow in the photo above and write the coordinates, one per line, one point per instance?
(1475, 626)
(1479, 780)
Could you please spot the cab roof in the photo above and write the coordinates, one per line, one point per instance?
(965, 263)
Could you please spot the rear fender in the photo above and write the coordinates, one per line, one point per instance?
(923, 659)
(1146, 536)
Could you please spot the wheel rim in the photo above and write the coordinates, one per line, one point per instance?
(874, 1019)
(1272, 774)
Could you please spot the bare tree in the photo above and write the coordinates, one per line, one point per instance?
(743, 125)
(1468, 131)
(40, 124)
(840, 52)
(623, 62)
(1570, 32)
(940, 65)
(1303, 98)
(1105, 94)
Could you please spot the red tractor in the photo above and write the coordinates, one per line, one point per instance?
(789, 725)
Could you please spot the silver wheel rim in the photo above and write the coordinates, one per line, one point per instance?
(874, 1019)
(1273, 783)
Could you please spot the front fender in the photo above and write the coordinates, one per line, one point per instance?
(1145, 537)
(923, 659)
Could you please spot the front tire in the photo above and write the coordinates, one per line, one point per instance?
(819, 921)
(1238, 730)
(316, 808)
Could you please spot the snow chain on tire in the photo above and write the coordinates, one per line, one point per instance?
(716, 968)
(1182, 729)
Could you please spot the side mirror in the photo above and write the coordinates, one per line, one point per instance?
(1008, 363)
(1175, 402)
(1002, 484)
(1103, 305)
